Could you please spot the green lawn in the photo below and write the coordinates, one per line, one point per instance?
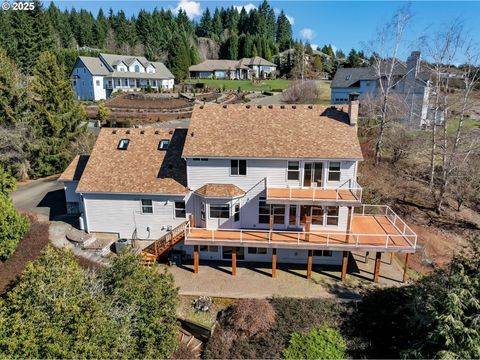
(245, 85)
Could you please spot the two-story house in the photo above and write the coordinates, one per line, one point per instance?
(96, 78)
(411, 81)
(246, 68)
(243, 183)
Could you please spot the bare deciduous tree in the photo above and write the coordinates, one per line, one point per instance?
(302, 92)
(386, 46)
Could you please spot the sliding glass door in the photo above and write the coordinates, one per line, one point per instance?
(312, 174)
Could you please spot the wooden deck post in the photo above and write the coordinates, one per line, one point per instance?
(234, 261)
(308, 224)
(195, 259)
(274, 262)
(309, 265)
(192, 220)
(349, 223)
(344, 265)
(405, 268)
(376, 271)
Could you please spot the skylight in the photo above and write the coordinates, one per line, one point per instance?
(163, 145)
(348, 77)
(123, 144)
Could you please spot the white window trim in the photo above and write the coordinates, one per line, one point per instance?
(229, 211)
(175, 209)
(142, 206)
(339, 171)
(238, 175)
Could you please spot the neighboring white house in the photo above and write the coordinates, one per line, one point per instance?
(412, 83)
(263, 183)
(246, 68)
(95, 78)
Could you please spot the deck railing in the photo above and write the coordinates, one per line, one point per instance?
(348, 186)
(315, 238)
(167, 238)
(385, 210)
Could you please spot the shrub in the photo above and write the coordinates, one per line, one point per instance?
(252, 316)
(12, 227)
(318, 343)
(200, 85)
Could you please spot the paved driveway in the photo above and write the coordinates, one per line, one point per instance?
(44, 197)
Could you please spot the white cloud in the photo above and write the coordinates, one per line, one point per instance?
(249, 7)
(307, 34)
(192, 8)
(314, 46)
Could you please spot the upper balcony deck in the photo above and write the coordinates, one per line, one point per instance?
(347, 194)
(374, 228)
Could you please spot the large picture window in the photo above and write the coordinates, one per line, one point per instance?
(293, 170)
(219, 211)
(180, 209)
(263, 211)
(334, 171)
(147, 206)
(238, 167)
(317, 215)
(278, 214)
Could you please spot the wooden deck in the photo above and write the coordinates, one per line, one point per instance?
(311, 194)
(369, 233)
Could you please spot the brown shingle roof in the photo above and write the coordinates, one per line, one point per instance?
(141, 168)
(220, 190)
(75, 170)
(273, 131)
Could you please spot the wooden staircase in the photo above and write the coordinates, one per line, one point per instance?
(152, 252)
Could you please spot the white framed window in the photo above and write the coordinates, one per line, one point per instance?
(236, 212)
(208, 248)
(334, 171)
(332, 215)
(238, 167)
(278, 214)
(123, 144)
(180, 209)
(97, 82)
(202, 210)
(137, 68)
(219, 211)
(257, 251)
(163, 144)
(293, 172)
(147, 206)
(199, 159)
(263, 211)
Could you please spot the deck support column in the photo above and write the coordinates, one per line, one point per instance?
(309, 264)
(344, 265)
(405, 268)
(349, 223)
(308, 224)
(195, 259)
(234, 261)
(274, 262)
(376, 271)
(192, 220)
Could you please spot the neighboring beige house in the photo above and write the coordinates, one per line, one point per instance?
(242, 183)
(246, 68)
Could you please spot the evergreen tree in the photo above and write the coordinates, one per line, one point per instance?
(58, 116)
(12, 98)
(243, 22)
(284, 32)
(232, 49)
(205, 27)
(217, 26)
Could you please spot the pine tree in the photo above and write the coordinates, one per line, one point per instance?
(284, 32)
(58, 117)
(217, 26)
(232, 52)
(205, 27)
(12, 98)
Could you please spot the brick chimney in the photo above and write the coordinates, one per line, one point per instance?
(353, 105)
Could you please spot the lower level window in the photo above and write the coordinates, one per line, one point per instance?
(317, 215)
(208, 248)
(325, 253)
(278, 214)
(220, 211)
(180, 209)
(257, 251)
(332, 215)
(147, 206)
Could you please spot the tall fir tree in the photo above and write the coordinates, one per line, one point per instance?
(284, 32)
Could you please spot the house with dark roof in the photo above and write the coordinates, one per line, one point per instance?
(412, 83)
(96, 78)
(246, 68)
(271, 184)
